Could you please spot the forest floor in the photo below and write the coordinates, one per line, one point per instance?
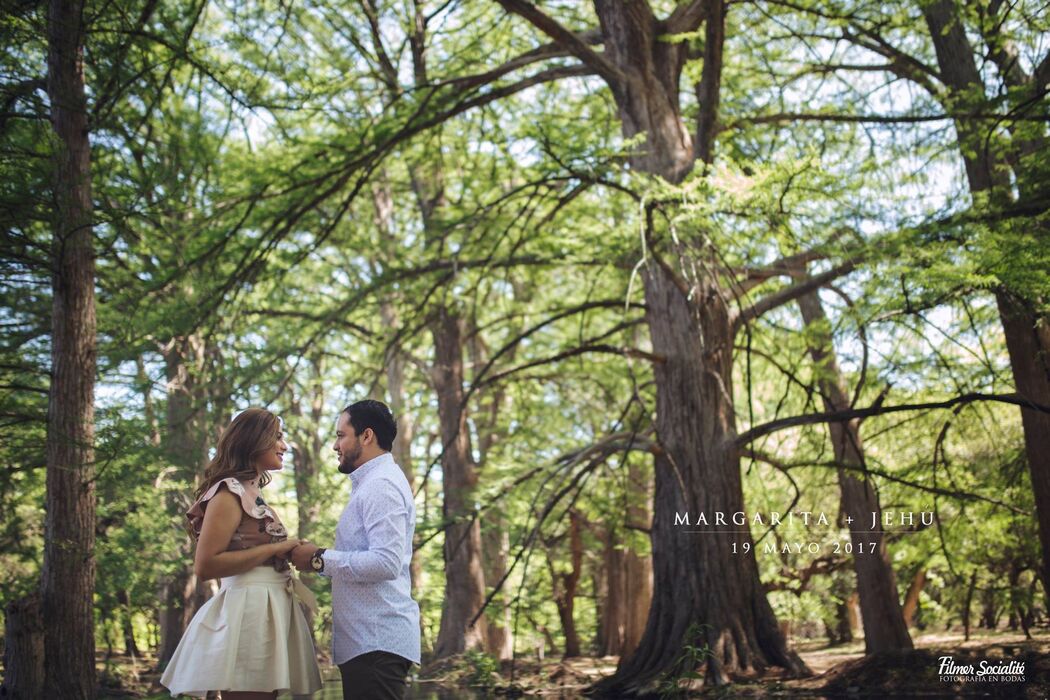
(844, 671)
(839, 671)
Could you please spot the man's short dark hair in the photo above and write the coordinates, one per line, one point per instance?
(376, 415)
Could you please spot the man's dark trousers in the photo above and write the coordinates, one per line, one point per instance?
(377, 675)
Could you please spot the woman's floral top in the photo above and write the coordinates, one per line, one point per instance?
(259, 523)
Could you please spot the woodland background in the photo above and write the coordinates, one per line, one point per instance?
(606, 262)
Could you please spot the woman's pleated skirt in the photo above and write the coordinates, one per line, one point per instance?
(251, 636)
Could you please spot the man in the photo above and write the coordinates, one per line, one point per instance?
(376, 635)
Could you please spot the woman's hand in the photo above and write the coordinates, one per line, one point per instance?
(284, 549)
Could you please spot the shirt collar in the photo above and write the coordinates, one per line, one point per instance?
(359, 474)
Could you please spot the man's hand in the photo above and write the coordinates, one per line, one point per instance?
(301, 556)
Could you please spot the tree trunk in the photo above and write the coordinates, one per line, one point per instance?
(564, 587)
(638, 569)
(394, 361)
(968, 603)
(911, 600)
(145, 385)
(495, 539)
(884, 626)
(853, 617)
(185, 447)
(23, 649)
(464, 576)
(496, 542)
(127, 626)
(308, 410)
(613, 621)
(68, 580)
(1028, 344)
(627, 584)
(703, 594)
(843, 630)
(402, 448)
(989, 609)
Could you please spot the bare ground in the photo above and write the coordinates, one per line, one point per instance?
(839, 671)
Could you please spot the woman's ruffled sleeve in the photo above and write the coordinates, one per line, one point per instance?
(251, 503)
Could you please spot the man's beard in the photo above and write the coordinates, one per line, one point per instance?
(346, 462)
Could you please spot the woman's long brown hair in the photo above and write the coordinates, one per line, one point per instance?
(253, 432)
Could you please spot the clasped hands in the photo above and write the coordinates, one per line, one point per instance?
(301, 554)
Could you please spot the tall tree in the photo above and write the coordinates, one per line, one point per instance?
(880, 608)
(988, 171)
(1000, 133)
(691, 326)
(185, 445)
(69, 563)
(464, 571)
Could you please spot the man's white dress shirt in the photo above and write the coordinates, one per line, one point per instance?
(369, 566)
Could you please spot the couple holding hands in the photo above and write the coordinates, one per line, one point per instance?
(252, 640)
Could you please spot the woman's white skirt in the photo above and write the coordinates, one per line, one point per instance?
(251, 636)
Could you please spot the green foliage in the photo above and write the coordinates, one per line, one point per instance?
(688, 666)
(484, 669)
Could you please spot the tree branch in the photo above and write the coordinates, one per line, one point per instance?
(785, 266)
(877, 119)
(877, 409)
(686, 18)
(551, 50)
(600, 348)
(862, 469)
(386, 66)
(789, 294)
(569, 40)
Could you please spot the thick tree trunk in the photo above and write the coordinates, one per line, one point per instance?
(884, 626)
(1028, 343)
(494, 532)
(464, 573)
(627, 576)
(145, 385)
(464, 576)
(496, 542)
(304, 476)
(68, 581)
(703, 594)
(23, 649)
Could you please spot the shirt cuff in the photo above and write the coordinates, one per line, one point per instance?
(329, 563)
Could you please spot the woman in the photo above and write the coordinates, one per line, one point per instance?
(252, 639)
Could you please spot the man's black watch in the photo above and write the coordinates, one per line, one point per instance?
(317, 560)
